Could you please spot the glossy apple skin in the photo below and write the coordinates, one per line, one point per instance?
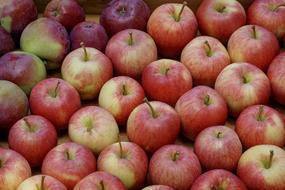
(14, 169)
(47, 39)
(50, 183)
(215, 152)
(93, 127)
(171, 36)
(276, 75)
(14, 104)
(93, 182)
(195, 57)
(238, 93)
(23, 69)
(158, 187)
(120, 95)
(179, 174)
(252, 172)
(141, 121)
(166, 80)
(57, 109)
(259, 51)
(220, 23)
(130, 60)
(87, 76)
(69, 169)
(7, 43)
(218, 178)
(255, 128)
(67, 12)
(196, 115)
(119, 15)
(91, 34)
(131, 169)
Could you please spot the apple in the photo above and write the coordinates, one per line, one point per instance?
(14, 104)
(67, 12)
(150, 120)
(166, 80)
(93, 127)
(218, 179)
(13, 169)
(127, 50)
(174, 165)
(203, 55)
(56, 100)
(158, 187)
(41, 182)
(260, 124)
(120, 95)
(253, 44)
(86, 69)
(91, 34)
(199, 108)
(69, 163)
(125, 160)
(220, 18)
(47, 39)
(119, 15)
(100, 181)
(7, 43)
(33, 137)
(242, 85)
(172, 26)
(260, 167)
(23, 69)
(218, 147)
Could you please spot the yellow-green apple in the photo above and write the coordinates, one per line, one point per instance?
(87, 69)
(195, 104)
(33, 137)
(47, 39)
(205, 54)
(253, 44)
(119, 15)
(69, 163)
(125, 160)
(242, 85)
(220, 18)
(93, 127)
(14, 104)
(91, 34)
(276, 75)
(127, 50)
(150, 120)
(56, 100)
(172, 26)
(263, 167)
(260, 124)
(120, 95)
(218, 147)
(174, 165)
(41, 182)
(158, 187)
(218, 179)
(7, 42)
(100, 181)
(13, 169)
(67, 12)
(22, 68)
(166, 80)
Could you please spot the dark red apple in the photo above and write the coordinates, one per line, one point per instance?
(7, 43)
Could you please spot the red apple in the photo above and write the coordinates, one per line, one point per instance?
(199, 108)
(7, 43)
(56, 100)
(166, 80)
(120, 95)
(172, 26)
(253, 44)
(69, 163)
(158, 187)
(205, 57)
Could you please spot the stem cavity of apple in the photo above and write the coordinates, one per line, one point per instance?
(102, 185)
(245, 79)
(260, 115)
(86, 58)
(278, 6)
(131, 39)
(124, 90)
(207, 100)
(178, 17)
(27, 123)
(42, 186)
(208, 49)
(221, 8)
(220, 135)
(254, 32)
(175, 156)
(153, 112)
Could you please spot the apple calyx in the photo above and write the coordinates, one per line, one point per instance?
(153, 112)
(122, 11)
(55, 92)
(124, 90)
(260, 114)
(177, 18)
(208, 49)
(175, 156)
(42, 186)
(207, 100)
(102, 187)
(130, 39)
(254, 34)
(28, 125)
(269, 163)
(220, 135)
(55, 13)
(275, 8)
(86, 58)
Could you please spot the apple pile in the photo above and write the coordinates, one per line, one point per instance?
(166, 99)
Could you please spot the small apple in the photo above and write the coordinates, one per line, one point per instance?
(158, 187)
(7, 43)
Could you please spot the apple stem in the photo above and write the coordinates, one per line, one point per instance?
(121, 147)
(207, 100)
(27, 123)
(278, 6)
(85, 51)
(56, 89)
(68, 157)
(219, 135)
(153, 112)
(125, 92)
(208, 49)
(42, 186)
(270, 159)
(175, 156)
(180, 12)
(102, 185)
(254, 32)
(260, 116)
(131, 40)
